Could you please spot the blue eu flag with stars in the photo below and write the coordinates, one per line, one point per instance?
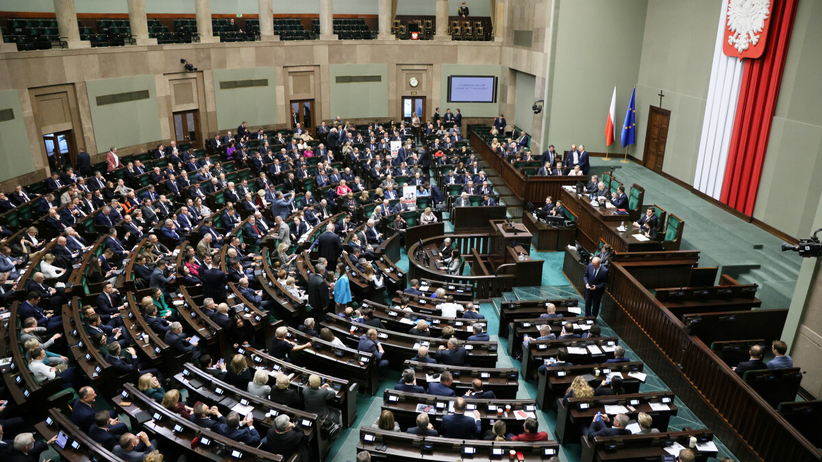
(629, 126)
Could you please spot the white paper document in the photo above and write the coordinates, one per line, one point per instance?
(607, 349)
(406, 321)
(522, 415)
(634, 428)
(431, 378)
(594, 350)
(641, 238)
(638, 375)
(577, 350)
(616, 374)
(242, 410)
(574, 309)
(660, 407)
(707, 446)
(613, 409)
(674, 449)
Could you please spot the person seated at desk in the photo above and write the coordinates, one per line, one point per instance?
(231, 429)
(550, 312)
(283, 439)
(84, 416)
(459, 425)
(646, 423)
(619, 199)
(498, 432)
(370, 320)
(544, 334)
(171, 401)
(479, 335)
(453, 354)
(369, 344)
(239, 374)
(601, 191)
(780, 360)
(558, 210)
(408, 383)
(532, 433)
(599, 427)
(476, 391)
(471, 312)
(422, 356)
(420, 329)
(284, 394)
(150, 386)
(610, 386)
(259, 385)
(443, 387)
(413, 287)
(449, 309)
(568, 331)
(648, 221)
(130, 444)
(206, 417)
(462, 201)
(280, 347)
(619, 356)
(386, 422)
(424, 426)
(559, 361)
(754, 363)
(545, 170)
(104, 430)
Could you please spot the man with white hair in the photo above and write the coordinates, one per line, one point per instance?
(26, 448)
(282, 439)
(462, 201)
(179, 344)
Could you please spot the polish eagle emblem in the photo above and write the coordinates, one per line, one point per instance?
(746, 21)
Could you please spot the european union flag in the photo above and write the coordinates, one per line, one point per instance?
(629, 126)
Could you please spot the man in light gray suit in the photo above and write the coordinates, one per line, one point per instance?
(283, 234)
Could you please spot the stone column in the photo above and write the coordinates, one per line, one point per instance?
(327, 20)
(139, 23)
(499, 20)
(442, 21)
(204, 22)
(67, 24)
(266, 21)
(385, 20)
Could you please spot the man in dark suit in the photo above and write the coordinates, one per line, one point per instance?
(246, 434)
(284, 439)
(422, 356)
(479, 335)
(329, 246)
(84, 416)
(596, 279)
(84, 163)
(754, 363)
(179, 344)
(408, 383)
(318, 296)
(476, 391)
(159, 325)
(443, 387)
(101, 431)
(459, 425)
(205, 417)
(214, 281)
(647, 221)
(599, 427)
(414, 288)
(453, 354)
(45, 318)
(619, 199)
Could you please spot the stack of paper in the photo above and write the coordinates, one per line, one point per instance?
(406, 321)
(613, 409)
(638, 375)
(674, 449)
(616, 374)
(594, 350)
(641, 238)
(432, 378)
(242, 410)
(607, 349)
(707, 446)
(634, 428)
(660, 407)
(522, 415)
(574, 309)
(577, 350)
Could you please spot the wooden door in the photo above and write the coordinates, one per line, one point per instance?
(187, 128)
(302, 111)
(656, 137)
